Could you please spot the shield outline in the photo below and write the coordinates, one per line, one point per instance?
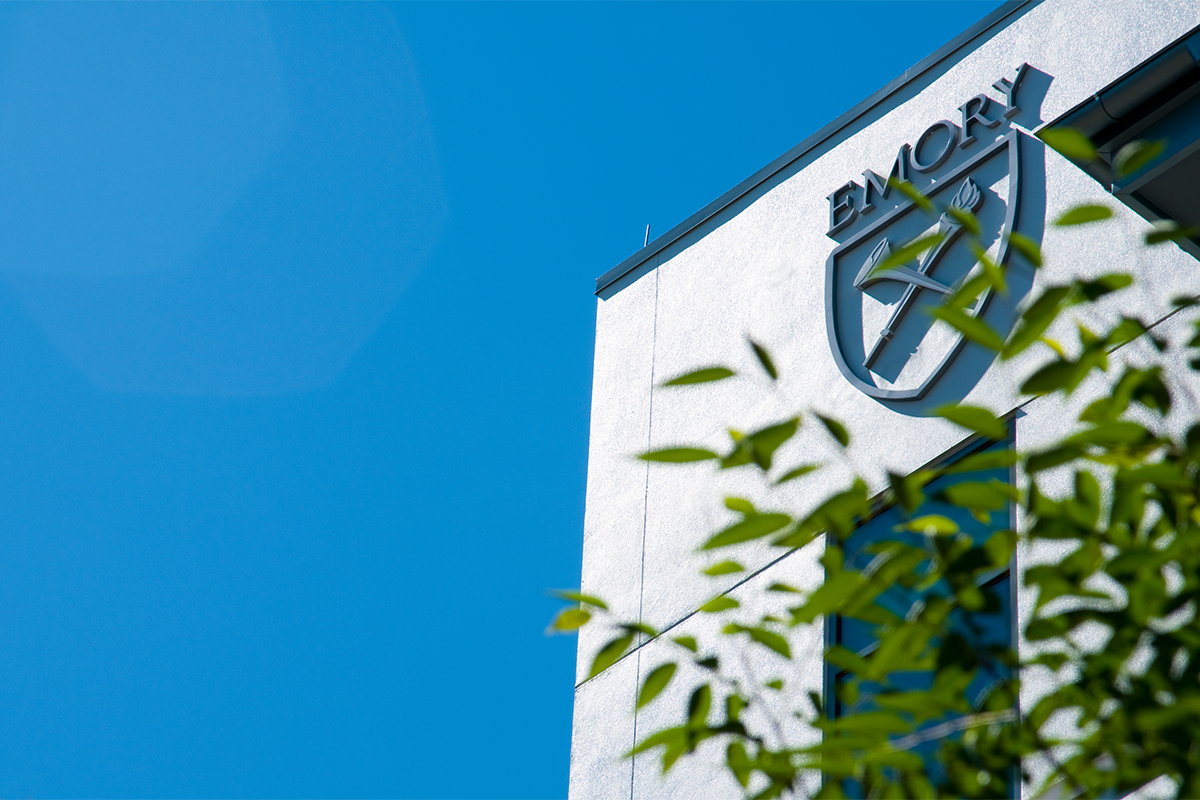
(1010, 140)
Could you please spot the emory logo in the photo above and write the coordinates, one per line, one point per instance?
(883, 341)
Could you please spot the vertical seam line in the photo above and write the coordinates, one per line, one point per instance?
(645, 513)
(649, 444)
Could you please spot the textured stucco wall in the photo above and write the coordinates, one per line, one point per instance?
(758, 268)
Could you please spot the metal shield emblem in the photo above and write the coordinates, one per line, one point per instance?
(883, 339)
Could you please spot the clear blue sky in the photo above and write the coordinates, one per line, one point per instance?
(296, 325)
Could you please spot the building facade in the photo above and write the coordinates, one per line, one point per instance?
(785, 258)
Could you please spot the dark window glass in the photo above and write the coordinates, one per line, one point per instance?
(991, 628)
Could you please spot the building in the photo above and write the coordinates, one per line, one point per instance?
(780, 257)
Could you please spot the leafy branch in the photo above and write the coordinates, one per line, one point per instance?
(931, 707)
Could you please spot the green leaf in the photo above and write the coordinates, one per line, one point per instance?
(763, 443)
(990, 496)
(867, 722)
(673, 751)
(759, 447)
(1191, 441)
(796, 537)
(705, 375)
(993, 271)
(839, 515)
(975, 419)
(1052, 582)
(902, 255)
(1000, 547)
(1069, 142)
(679, 455)
(741, 505)
(990, 459)
(1136, 156)
(724, 568)
(922, 705)
(1052, 660)
(1026, 247)
(771, 640)
(764, 358)
(698, 705)
(931, 525)
(609, 654)
(969, 326)
(753, 526)
(832, 595)
(1163, 475)
(578, 597)
(836, 430)
(735, 704)
(1105, 284)
(965, 295)
(666, 737)
(1111, 434)
(798, 472)
(763, 636)
(719, 604)
(1087, 500)
(1052, 377)
(738, 762)
(1052, 457)
(966, 219)
(1184, 301)
(1170, 232)
(908, 489)
(1036, 319)
(569, 619)
(655, 682)
(1082, 214)
(910, 191)
(783, 587)
(686, 642)
(1054, 345)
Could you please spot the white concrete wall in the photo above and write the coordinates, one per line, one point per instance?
(759, 269)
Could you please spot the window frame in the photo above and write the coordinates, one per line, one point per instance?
(969, 447)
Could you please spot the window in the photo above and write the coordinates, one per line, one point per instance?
(994, 626)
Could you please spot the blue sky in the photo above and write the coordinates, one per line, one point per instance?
(296, 323)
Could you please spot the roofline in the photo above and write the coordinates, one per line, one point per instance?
(782, 162)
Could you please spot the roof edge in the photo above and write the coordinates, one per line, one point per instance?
(761, 176)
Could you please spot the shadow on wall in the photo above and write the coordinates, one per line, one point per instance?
(213, 199)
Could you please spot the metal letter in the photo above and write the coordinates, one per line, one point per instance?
(973, 111)
(952, 134)
(881, 185)
(1009, 90)
(842, 200)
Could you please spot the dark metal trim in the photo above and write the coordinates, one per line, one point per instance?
(778, 165)
(1168, 73)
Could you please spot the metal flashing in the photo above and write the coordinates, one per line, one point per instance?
(1139, 104)
(660, 243)
(1160, 78)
